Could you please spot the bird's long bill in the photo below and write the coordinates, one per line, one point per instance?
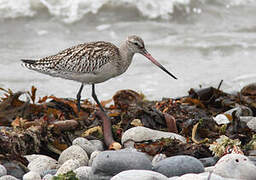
(147, 55)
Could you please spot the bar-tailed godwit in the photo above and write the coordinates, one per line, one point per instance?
(92, 63)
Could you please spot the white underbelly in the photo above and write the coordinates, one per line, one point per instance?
(103, 74)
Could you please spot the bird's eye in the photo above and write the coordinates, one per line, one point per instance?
(138, 45)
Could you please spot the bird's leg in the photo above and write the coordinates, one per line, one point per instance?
(107, 127)
(96, 99)
(78, 96)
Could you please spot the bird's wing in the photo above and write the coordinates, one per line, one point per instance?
(83, 58)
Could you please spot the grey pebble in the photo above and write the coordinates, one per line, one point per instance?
(99, 146)
(179, 165)
(87, 146)
(209, 161)
(14, 169)
(110, 163)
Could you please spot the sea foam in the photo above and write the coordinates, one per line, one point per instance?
(73, 10)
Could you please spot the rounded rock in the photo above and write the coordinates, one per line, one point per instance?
(157, 158)
(99, 146)
(8, 177)
(3, 170)
(139, 134)
(206, 175)
(83, 173)
(87, 146)
(241, 110)
(221, 119)
(235, 166)
(179, 165)
(31, 175)
(32, 157)
(252, 124)
(110, 163)
(74, 152)
(201, 176)
(68, 165)
(93, 155)
(210, 161)
(174, 178)
(42, 163)
(139, 174)
(13, 168)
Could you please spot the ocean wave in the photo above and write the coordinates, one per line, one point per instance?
(73, 10)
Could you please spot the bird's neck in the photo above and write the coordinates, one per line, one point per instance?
(126, 56)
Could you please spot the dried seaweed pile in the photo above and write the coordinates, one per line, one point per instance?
(48, 125)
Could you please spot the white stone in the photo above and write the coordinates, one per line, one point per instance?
(201, 176)
(68, 165)
(42, 163)
(87, 146)
(31, 175)
(139, 134)
(3, 170)
(252, 124)
(221, 119)
(74, 152)
(237, 109)
(241, 110)
(235, 166)
(246, 119)
(83, 173)
(8, 177)
(173, 178)
(32, 157)
(139, 174)
(209, 169)
(93, 155)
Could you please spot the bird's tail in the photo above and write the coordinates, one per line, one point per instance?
(30, 64)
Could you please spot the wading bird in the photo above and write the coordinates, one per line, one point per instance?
(92, 63)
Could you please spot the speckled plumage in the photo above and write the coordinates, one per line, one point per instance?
(81, 60)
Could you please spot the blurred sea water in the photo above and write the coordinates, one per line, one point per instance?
(200, 41)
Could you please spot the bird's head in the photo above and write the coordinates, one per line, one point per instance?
(136, 45)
